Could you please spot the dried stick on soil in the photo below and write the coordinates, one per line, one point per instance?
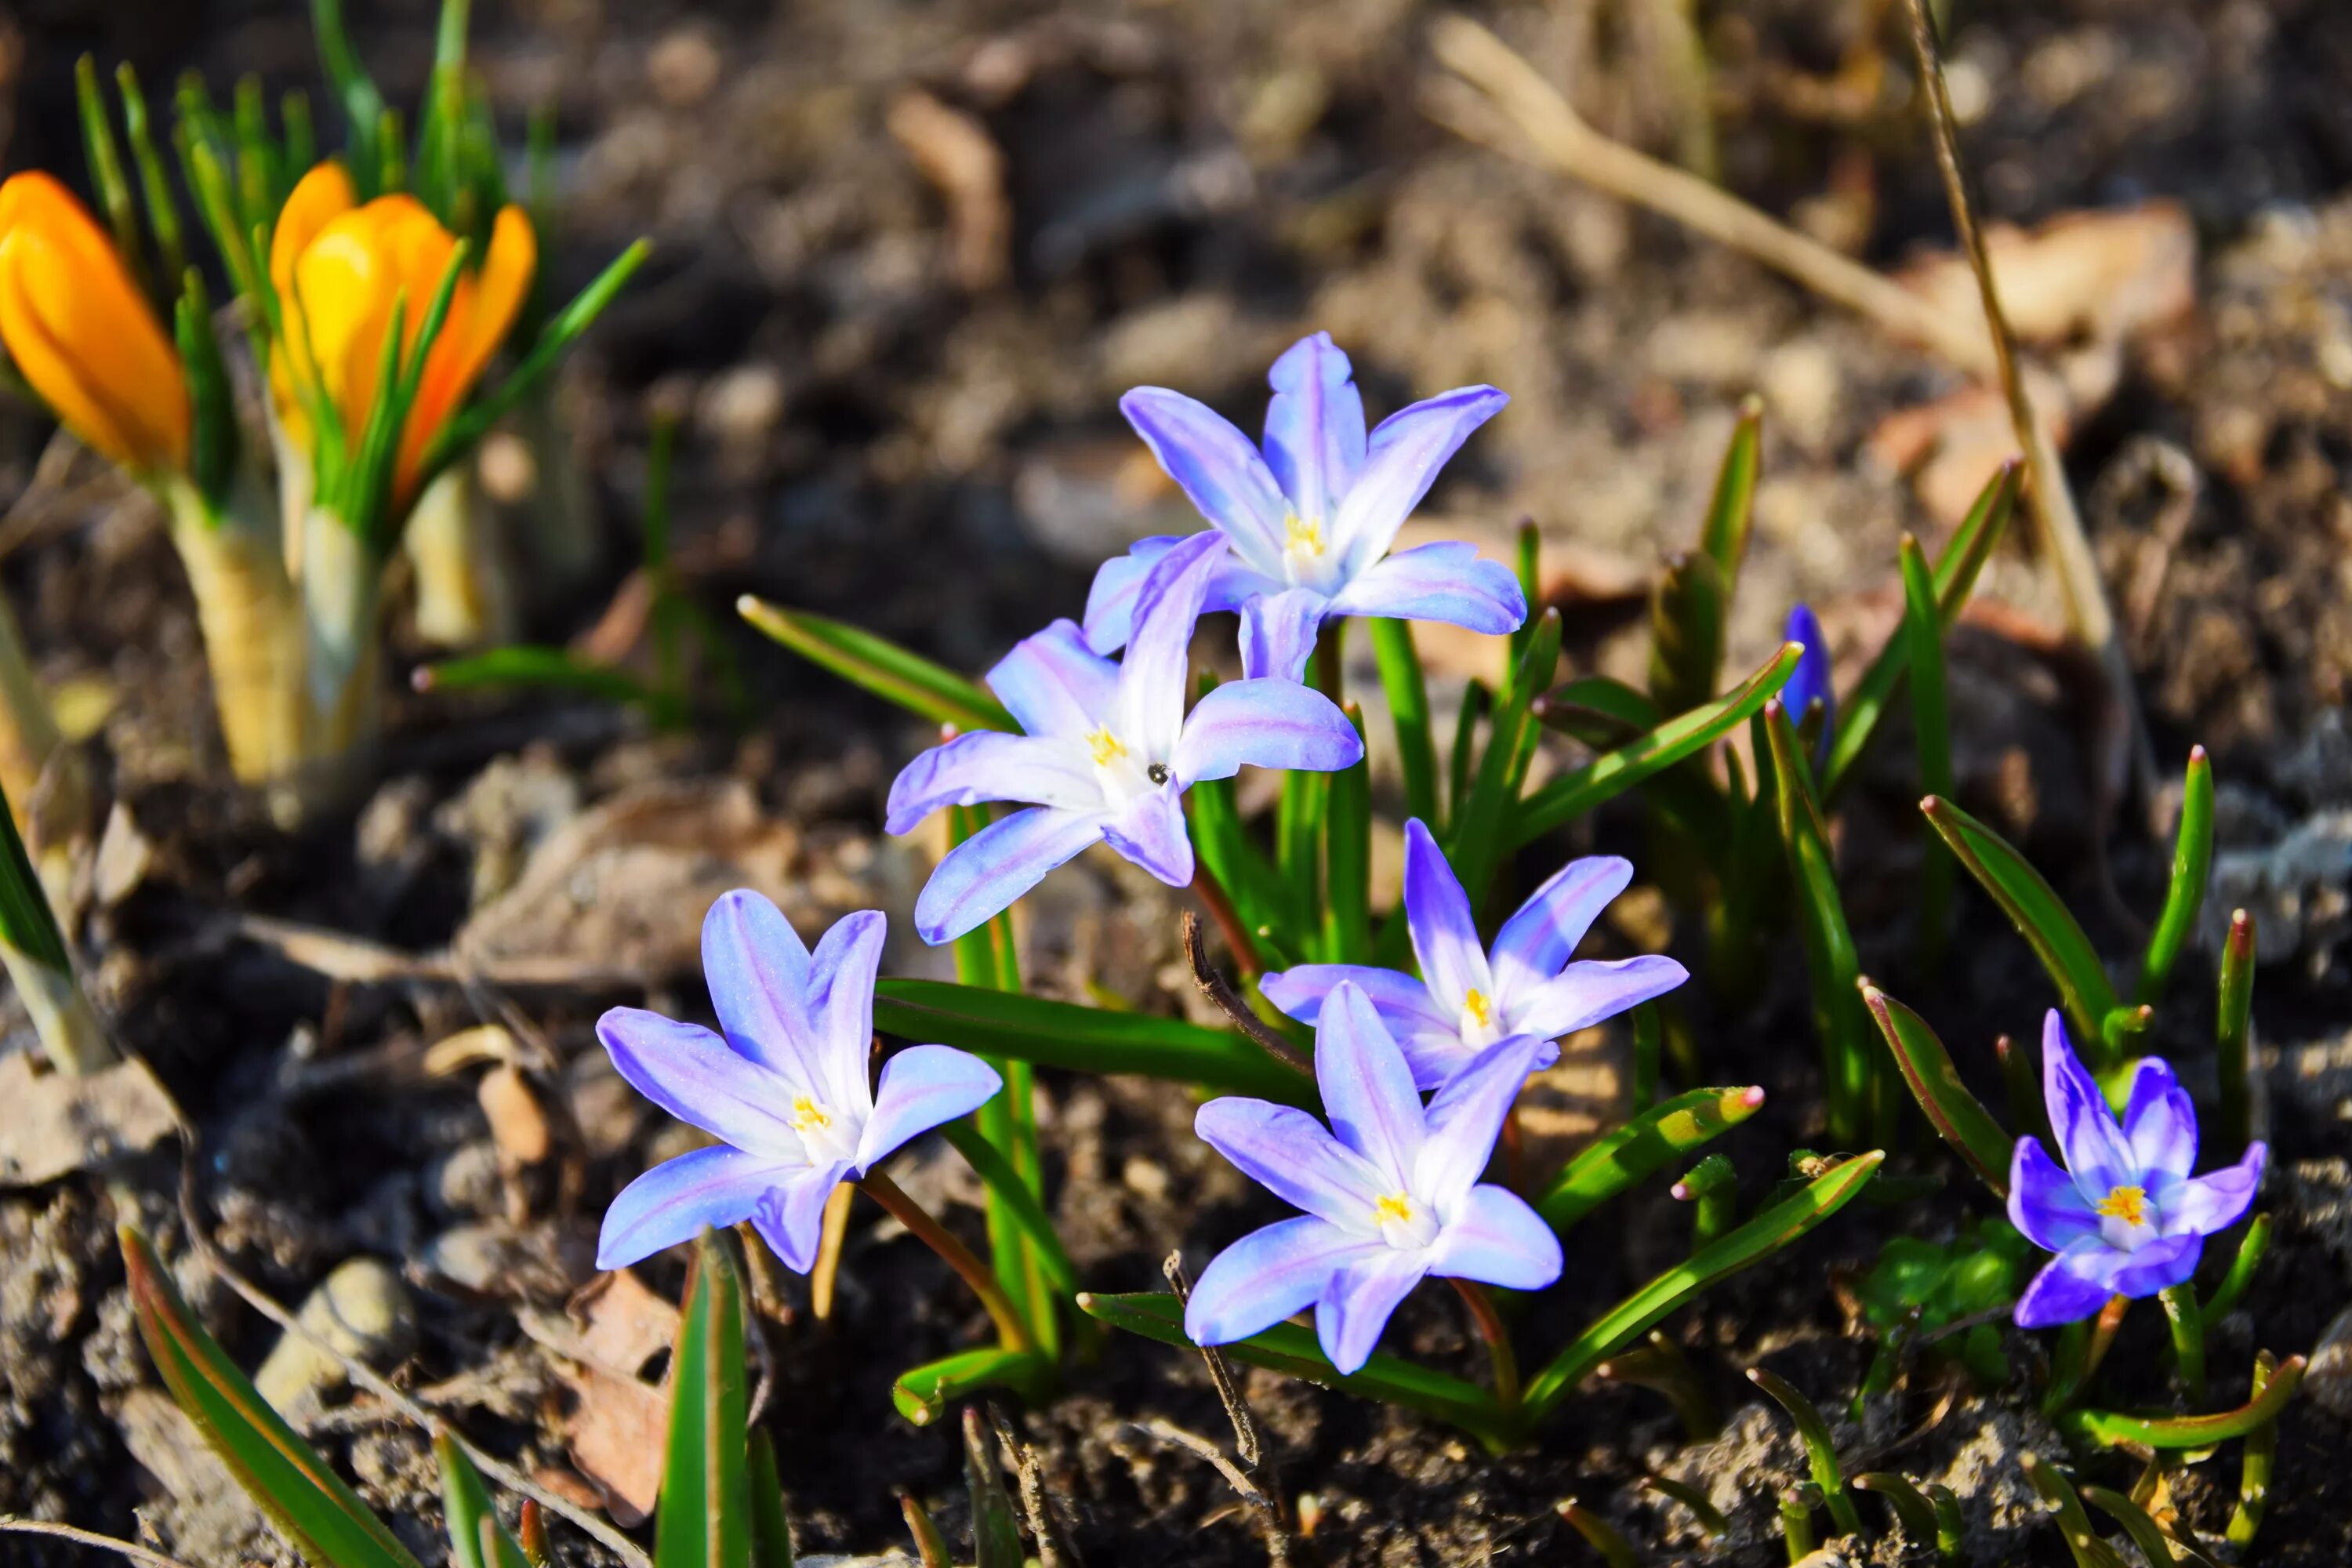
(1053, 1551)
(1258, 1479)
(1278, 1540)
(1220, 990)
(11, 1525)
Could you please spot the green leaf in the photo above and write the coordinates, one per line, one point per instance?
(2159, 1549)
(1931, 729)
(1021, 1206)
(1910, 1505)
(2031, 905)
(923, 687)
(1830, 956)
(1571, 794)
(2112, 1428)
(1957, 1115)
(320, 1516)
(552, 669)
(2083, 1543)
(1082, 1039)
(931, 1546)
(1527, 567)
(1407, 690)
(363, 107)
(771, 1532)
(154, 184)
(1600, 1535)
(1601, 710)
(1764, 1233)
(471, 1516)
(1348, 858)
(2192, 860)
(1477, 700)
(104, 155)
(2233, 1032)
(2242, 1264)
(923, 1394)
(1686, 614)
(1481, 826)
(2258, 1460)
(1820, 1453)
(704, 1517)
(1647, 1144)
(28, 924)
(1729, 509)
(1289, 1347)
(995, 1537)
(1235, 862)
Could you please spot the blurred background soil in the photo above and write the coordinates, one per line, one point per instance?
(908, 256)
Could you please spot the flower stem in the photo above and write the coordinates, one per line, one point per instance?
(2082, 1346)
(1498, 1344)
(1330, 659)
(828, 1252)
(933, 1235)
(2188, 1339)
(1229, 920)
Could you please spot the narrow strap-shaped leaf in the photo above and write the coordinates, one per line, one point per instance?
(1348, 860)
(317, 1515)
(1224, 847)
(1931, 732)
(2082, 1542)
(1709, 1517)
(1477, 701)
(362, 104)
(1910, 1505)
(2112, 1427)
(154, 184)
(550, 669)
(995, 1534)
(1022, 1208)
(1601, 710)
(1641, 1148)
(1957, 1116)
(1407, 690)
(1526, 565)
(107, 175)
(918, 684)
(2233, 1032)
(1820, 1453)
(1724, 535)
(923, 1394)
(476, 1537)
(1298, 817)
(1764, 1233)
(2258, 1460)
(1830, 955)
(2159, 1549)
(2248, 1257)
(2184, 896)
(931, 1546)
(1480, 828)
(1686, 615)
(704, 1516)
(1600, 1535)
(771, 1532)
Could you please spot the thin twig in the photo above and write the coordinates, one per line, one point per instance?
(1220, 990)
(11, 1525)
(1277, 1539)
(1053, 1551)
(1261, 1486)
(1221, 1372)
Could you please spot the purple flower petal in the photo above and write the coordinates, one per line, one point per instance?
(1445, 582)
(1367, 1087)
(1401, 1001)
(988, 764)
(1809, 681)
(1151, 833)
(1496, 1239)
(1584, 993)
(1216, 466)
(923, 1087)
(1435, 1056)
(1444, 935)
(1267, 1276)
(1279, 632)
(1400, 462)
(790, 1218)
(982, 876)
(1149, 712)
(2157, 1266)
(2206, 1204)
(2061, 1293)
(1053, 683)
(758, 974)
(1466, 1117)
(2159, 1123)
(1294, 1157)
(841, 1003)
(1536, 944)
(1264, 725)
(1314, 426)
(717, 1187)
(689, 1072)
(2097, 1155)
(2044, 1203)
(1358, 1299)
(1110, 597)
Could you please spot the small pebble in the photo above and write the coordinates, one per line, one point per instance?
(361, 1311)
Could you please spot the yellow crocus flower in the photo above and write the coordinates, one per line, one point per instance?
(81, 333)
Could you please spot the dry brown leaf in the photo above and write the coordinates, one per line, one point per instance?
(58, 1123)
(956, 153)
(517, 1122)
(622, 1324)
(2102, 275)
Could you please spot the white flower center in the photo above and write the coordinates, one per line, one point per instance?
(1404, 1223)
(1306, 558)
(1481, 1019)
(827, 1135)
(2126, 1218)
(1123, 773)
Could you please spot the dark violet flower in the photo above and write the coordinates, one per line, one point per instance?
(1810, 682)
(2124, 1217)
(1108, 752)
(1468, 998)
(1310, 520)
(1391, 1190)
(786, 1091)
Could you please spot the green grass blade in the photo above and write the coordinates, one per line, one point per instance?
(1642, 1147)
(995, 1536)
(476, 1537)
(1481, 826)
(1957, 1116)
(1477, 701)
(554, 668)
(1731, 509)
(1910, 1505)
(1600, 1535)
(1931, 731)
(771, 1532)
(320, 1516)
(1527, 567)
(2159, 1549)
(1764, 1233)
(2083, 1542)
(1686, 615)
(1224, 847)
(2112, 1428)
(1601, 710)
(923, 1394)
(2192, 860)
(704, 1516)
(2258, 1460)
(2233, 1030)
(362, 104)
(155, 182)
(1298, 820)
(1834, 966)
(2248, 1257)
(107, 175)
(1407, 690)
(1348, 860)
(1022, 1208)
(1820, 1453)
(928, 689)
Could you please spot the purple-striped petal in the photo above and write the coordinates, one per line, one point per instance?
(1151, 832)
(841, 1002)
(988, 764)
(790, 1218)
(1055, 685)
(1466, 1118)
(2157, 1266)
(689, 1072)
(718, 1187)
(1150, 713)
(2043, 1202)
(2159, 1123)
(1401, 1001)
(1314, 426)
(2061, 1293)
(1294, 1157)
(1584, 993)
(1536, 944)
(1264, 725)
(1436, 1054)
(2097, 1155)
(1445, 582)
(1367, 1086)
(1496, 1239)
(1445, 934)
(1267, 1276)
(1400, 462)
(1110, 597)
(757, 970)
(922, 1087)
(1278, 633)
(982, 876)
(2206, 1204)
(1360, 1297)
(1216, 467)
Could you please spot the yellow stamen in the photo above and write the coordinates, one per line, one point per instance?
(1107, 747)
(2128, 1205)
(1302, 535)
(808, 1114)
(1395, 1206)
(1475, 1004)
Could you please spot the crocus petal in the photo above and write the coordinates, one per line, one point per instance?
(1151, 833)
(1446, 582)
(1436, 1054)
(671, 1203)
(1584, 993)
(2202, 1206)
(1358, 1299)
(689, 1072)
(790, 1216)
(2061, 1293)
(982, 877)
(1437, 913)
(1402, 1002)
(1054, 684)
(1264, 725)
(2097, 1155)
(841, 1006)
(988, 764)
(1543, 935)
(1809, 681)
(1466, 1117)
(479, 321)
(1294, 1157)
(1367, 1086)
(1149, 712)
(1119, 584)
(1278, 633)
(1267, 1276)
(758, 974)
(1400, 462)
(922, 1087)
(1496, 1239)
(2159, 1123)
(2158, 1266)
(1216, 467)
(1314, 426)
(2044, 1203)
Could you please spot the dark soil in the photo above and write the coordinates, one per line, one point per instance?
(876, 430)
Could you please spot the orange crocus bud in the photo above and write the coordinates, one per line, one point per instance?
(81, 333)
